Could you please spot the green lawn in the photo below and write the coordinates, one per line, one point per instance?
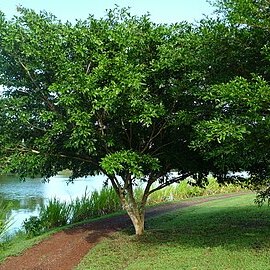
(226, 234)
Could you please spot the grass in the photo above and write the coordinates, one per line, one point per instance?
(18, 243)
(5, 220)
(225, 234)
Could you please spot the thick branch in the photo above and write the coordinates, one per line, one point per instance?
(25, 149)
(167, 183)
(147, 191)
(116, 185)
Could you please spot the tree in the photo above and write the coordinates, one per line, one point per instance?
(247, 13)
(236, 134)
(110, 96)
(134, 100)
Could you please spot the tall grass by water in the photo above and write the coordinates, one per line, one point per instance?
(185, 190)
(98, 203)
(94, 205)
(5, 220)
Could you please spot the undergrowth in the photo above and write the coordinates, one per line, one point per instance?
(106, 201)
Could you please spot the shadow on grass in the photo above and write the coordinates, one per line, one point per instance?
(233, 228)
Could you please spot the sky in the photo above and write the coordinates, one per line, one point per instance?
(162, 11)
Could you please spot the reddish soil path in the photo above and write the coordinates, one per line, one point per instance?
(65, 249)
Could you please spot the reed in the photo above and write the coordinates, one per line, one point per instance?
(95, 204)
(55, 214)
(185, 189)
(5, 220)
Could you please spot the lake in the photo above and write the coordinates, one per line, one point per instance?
(27, 197)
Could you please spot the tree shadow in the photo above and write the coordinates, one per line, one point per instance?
(233, 228)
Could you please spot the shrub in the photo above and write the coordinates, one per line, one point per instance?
(33, 226)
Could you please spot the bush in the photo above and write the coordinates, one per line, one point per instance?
(33, 226)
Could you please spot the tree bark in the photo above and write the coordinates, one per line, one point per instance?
(137, 218)
(135, 210)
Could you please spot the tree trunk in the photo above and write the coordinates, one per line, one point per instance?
(137, 218)
(135, 210)
(136, 213)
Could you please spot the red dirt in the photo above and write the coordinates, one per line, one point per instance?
(65, 249)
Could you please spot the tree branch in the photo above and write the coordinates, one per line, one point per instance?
(88, 68)
(44, 98)
(22, 148)
(167, 183)
(162, 146)
(153, 136)
(146, 191)
(28, 73)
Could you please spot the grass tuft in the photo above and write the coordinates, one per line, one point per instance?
(5, 221)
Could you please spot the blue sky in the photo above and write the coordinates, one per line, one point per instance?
(162, 11)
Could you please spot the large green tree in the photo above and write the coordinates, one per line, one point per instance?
(134, 100)
(110, 96)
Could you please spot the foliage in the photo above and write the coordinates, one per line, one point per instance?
(235, 135)
(99, 96)
(242, 141)
(33, 226)
(246, 12)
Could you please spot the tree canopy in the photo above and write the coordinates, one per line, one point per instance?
(238, 131)
(134, 100)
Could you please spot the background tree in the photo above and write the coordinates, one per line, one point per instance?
(104, 96)
(236, 135)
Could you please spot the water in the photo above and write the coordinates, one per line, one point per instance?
(27, 197)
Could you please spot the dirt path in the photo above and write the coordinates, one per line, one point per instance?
(64, 250)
